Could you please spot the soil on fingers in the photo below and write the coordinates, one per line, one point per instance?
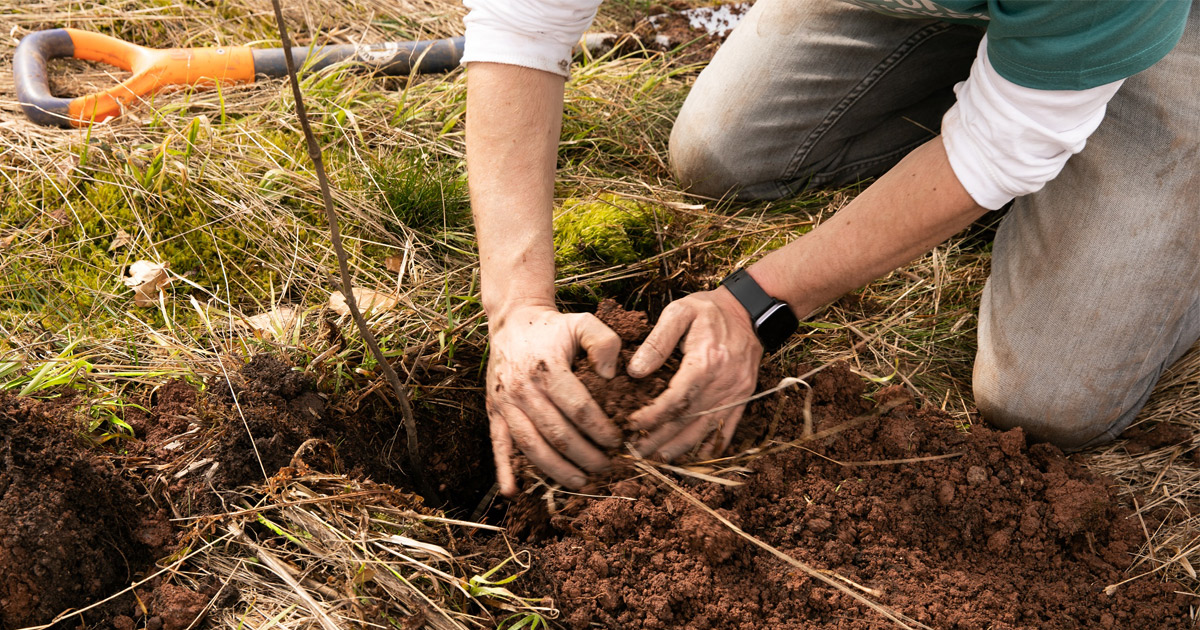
(622, 395)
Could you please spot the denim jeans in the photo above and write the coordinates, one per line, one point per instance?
(1095, 285)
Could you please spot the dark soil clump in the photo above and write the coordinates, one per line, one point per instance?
(71, 528)
(702, 29)
(999, 534)
(622, 395)
(1144, 438)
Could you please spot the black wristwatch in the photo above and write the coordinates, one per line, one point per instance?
(773, 319)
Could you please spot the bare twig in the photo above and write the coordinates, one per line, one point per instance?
(314, 153)
(834, 430)
(884, 462)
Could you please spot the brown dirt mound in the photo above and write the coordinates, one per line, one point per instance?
(1004, 535)
(73, 530)
(291, 422)
(70, 527)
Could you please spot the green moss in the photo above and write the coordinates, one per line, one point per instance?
(69, 276)
(609, 230)
(181, 226)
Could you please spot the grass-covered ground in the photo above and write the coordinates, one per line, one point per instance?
(216, 186)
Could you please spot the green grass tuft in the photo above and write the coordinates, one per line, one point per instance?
(420, 192)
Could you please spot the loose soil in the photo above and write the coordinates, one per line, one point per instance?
(622, 395)
(295, 427)
(72, 530)
(669, 26)
(1002, 535)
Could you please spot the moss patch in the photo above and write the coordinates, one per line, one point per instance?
(608, 230)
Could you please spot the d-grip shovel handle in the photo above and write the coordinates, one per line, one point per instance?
(154, 69)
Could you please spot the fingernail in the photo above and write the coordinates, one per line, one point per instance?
(608, 371)
(636, 367)
(577, 482)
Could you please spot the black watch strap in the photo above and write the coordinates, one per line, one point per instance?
(746, 290)
(772, 319)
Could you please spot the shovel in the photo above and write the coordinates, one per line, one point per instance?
(154, 69)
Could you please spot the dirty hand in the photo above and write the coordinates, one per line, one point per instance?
(721, 354)
(536, 402)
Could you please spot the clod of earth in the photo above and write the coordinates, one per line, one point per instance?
(622, 395)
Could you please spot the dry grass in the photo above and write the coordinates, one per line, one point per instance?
(339, 553)
(216, 183)
(1164, 484)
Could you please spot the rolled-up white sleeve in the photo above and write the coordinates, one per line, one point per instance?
(1005, 140)
(537, 34)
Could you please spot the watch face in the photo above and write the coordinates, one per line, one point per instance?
(776, 325)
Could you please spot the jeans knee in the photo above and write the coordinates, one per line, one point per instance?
(713, 153)
(698, 153)
(1069, 415)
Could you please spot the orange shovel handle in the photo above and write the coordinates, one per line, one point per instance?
(153, 69)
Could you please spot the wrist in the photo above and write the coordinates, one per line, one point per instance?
(730, 304)
(772, 285)
(501, 312)
(772, 320)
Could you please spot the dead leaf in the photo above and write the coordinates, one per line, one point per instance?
(146, 279)
(1187, 566)
(65, 167)
(273, 324)
(120, 240)
(368, 301)
(7, 241)
(394, 263)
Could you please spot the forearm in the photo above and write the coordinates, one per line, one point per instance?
(514, 118)
(910, 210)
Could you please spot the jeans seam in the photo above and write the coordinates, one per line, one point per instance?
(789, 187)
(856, 93)
(829, 176)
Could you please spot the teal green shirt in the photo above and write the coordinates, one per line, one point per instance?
(1061, 44)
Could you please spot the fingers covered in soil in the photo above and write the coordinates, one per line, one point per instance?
(622, 395)
(1003, 534)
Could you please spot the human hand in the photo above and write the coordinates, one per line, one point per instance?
(721, 354)
(536, 402)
